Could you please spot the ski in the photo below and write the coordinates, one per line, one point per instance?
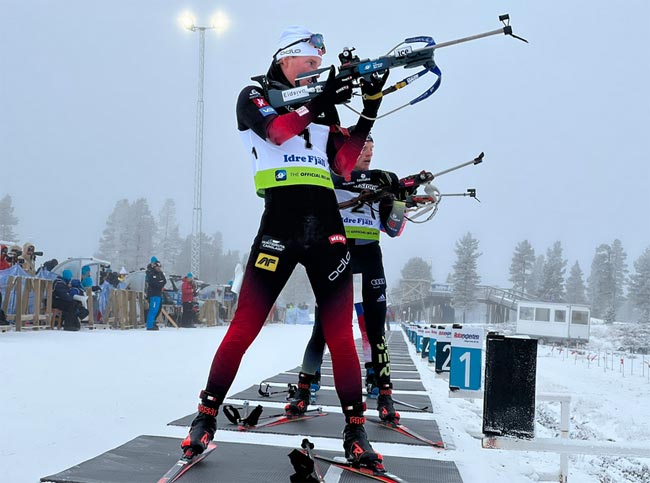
(283, 419)
(379, 475)
(405, 404)
(184, 464)
(400, 428)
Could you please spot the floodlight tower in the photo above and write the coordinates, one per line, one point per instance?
(219, 24)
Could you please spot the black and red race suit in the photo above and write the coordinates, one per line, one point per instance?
(301, 223)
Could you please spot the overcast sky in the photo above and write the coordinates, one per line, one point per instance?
(98, 103)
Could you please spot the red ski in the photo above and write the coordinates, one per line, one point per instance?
(375, 474)
(400, 428)
(184, 464)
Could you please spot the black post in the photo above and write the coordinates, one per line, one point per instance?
(509, 401)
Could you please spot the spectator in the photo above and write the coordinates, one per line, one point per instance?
(13, 254)
(86, 278)
(50, 264)
(188, 292)
(81, 299)
(110, 282)
(29, 254)
(4, 263)
(62, 300)
(155, 283)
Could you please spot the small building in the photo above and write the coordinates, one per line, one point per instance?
(548, 321)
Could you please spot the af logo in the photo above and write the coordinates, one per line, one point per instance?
(281, 175)
(267, 262)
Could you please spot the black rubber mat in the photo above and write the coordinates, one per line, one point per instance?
(393, 374)
(397, 366)
(328, 381)
(146, 458)
(330, 426)
(329, 398)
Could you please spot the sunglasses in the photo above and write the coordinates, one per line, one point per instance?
(315, 40)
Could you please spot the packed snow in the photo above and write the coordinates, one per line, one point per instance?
(68, 396)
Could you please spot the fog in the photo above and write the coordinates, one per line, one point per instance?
(98, 103)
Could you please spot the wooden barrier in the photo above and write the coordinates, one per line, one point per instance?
(22, 288)
(208, 313)
(125, 309)
(91, 308)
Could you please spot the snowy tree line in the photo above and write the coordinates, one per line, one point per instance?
(133, 235)
(543, 277)
(606, 289)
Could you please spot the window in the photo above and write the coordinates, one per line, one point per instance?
(580, 317)
(526, 313)
(560, 316)
(542, 315)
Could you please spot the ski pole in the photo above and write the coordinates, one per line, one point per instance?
(308, 446)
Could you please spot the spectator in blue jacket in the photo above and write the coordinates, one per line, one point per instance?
(155, 282)
(86, 278)
(62, 300)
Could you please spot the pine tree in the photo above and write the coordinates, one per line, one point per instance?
(536, 276)
(600, 285)
(7, 220)
(417, 268)
(415, 282)
(575, 287)
(465, 277)
(168, 242)
(521, 266)
(211, 256)
(184, 258)
(552, 287)
(619, 275)
(127, 240)
(109, 243)
(639, 290)
(140, 234)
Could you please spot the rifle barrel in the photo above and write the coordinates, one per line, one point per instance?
(476, 160)
(467, 39)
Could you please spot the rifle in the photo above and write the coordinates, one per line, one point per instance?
(403, 55)
(416, 205)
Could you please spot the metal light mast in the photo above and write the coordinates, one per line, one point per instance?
(219, 23)
(197, 214)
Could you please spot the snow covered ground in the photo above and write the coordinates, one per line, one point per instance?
(66, 397)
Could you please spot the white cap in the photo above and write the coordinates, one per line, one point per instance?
(302, 49)
(123, 271)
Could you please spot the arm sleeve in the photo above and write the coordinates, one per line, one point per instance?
(254, 112)
(347, 151)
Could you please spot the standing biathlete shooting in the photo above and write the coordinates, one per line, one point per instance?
(363, 224)
(293, 150)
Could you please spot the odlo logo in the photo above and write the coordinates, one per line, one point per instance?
(267, 262)
(340, 268)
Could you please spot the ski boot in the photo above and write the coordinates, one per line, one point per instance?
(385, 405)
(203, 427)
(355, 440)
(371, 381)
(299, 404)
(314, 387)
